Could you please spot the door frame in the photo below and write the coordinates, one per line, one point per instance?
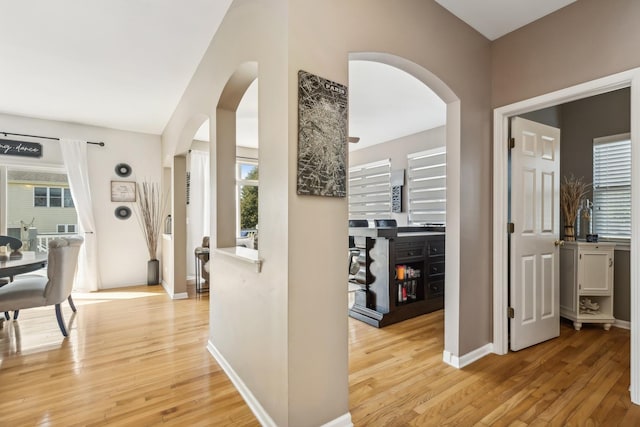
(501, 115)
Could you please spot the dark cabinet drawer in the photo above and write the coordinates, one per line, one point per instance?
(409, 251)
(435, 288)
(436, 248)
(436, 268)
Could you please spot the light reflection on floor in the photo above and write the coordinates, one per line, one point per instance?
(36, 330)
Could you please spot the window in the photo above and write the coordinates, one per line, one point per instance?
(40, 196)
(370, 190)
(66, 228)
(68, 200)
(247, 207)
(427, 187)
(612, 187)
(53, 197)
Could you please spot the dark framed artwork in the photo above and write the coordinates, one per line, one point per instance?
(322, 136)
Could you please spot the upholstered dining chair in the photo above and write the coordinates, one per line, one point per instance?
(34, 291)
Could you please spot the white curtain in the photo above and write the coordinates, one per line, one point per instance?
(74, 153)
(198, 210)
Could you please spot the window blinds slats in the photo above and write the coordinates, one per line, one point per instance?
(426, 183)
(369, 198)
(370, 190)
(612, 189)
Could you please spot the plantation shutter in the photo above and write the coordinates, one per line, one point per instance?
(427, 187)
(612, 187)
(370, 190)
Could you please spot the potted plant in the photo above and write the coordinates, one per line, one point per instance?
(572, 190)
(150, 211)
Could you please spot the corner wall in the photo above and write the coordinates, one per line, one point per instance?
(283, 331)
(122, 252)
(584, 41)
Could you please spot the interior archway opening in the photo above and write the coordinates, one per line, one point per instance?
(237, 161)
(425, 150)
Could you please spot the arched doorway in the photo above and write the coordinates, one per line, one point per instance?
(452, 238)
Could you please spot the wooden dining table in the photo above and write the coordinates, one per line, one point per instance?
(30, 261)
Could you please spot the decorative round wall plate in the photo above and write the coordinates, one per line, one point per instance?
(123, 169)
(122, 212)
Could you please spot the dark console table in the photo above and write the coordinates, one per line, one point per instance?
(401, 274)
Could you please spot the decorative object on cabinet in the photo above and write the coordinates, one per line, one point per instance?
(572, 190)
(586, 283)
(322, 136)
(123, 191)
(397, 182)
(584, 224)
(123, 170)
(150, 214)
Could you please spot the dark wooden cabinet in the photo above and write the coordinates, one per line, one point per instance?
(401, 275)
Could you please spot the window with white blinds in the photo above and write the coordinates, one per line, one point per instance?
(370, 190)
(427, 186)
(612, 187)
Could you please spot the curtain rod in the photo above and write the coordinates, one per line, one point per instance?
(46, 137)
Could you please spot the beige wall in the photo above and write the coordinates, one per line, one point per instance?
(122, 252)
(284, 330)
(397, 150)
(581, 42)
(248, 319)
(427, 35)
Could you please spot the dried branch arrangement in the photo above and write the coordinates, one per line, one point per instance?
(572, 191)
(151, 204)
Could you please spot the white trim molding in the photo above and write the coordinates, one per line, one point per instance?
(181, 295)
(622, 324)
(501, 117)
(467, 359)
(258, 410)
(342, 421)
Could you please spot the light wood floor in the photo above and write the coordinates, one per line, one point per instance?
(134, 357)
(398, 378)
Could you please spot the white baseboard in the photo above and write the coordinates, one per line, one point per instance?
(261, 414)
(467, 359)
(623, 324)
(342, 421)
(181, 295)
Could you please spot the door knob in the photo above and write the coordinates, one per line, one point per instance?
(559, 242)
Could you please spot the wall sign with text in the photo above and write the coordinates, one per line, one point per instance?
(20, 148)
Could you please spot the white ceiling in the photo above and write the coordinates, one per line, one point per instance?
(124, 64)
(121, 64)
(495, 18)
(386, 103)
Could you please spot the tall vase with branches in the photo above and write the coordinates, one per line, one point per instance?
(150, 210)
(572, 191)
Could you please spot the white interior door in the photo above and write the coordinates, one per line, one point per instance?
(534, 255)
